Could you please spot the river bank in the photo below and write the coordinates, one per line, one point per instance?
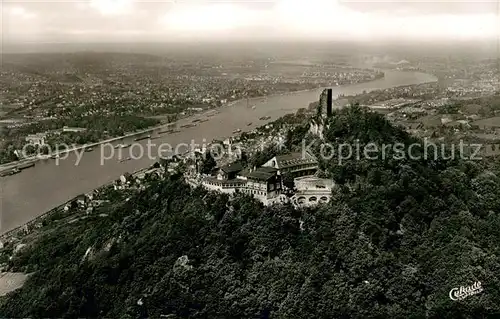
(36, 158)
(27, 227)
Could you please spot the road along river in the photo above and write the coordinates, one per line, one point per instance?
(33, 191)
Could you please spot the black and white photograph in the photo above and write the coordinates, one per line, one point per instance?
(257, 159)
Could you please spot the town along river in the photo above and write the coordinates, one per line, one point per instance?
(33, 191)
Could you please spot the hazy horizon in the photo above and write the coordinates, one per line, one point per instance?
(36, 21)
(394, 49)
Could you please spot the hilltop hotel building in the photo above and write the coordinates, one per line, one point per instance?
(265, 183)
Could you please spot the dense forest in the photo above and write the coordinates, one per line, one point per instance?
(396, 238)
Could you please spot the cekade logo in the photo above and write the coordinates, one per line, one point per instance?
(464, 292)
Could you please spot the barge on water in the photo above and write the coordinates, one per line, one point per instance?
(9, 172)
(165, 131)
(142, 138)
(25, 166)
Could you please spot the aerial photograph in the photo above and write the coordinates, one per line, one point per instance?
(249, 159)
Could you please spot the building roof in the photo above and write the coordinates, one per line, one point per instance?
(232, 168)
(292, 159)
(262, 173)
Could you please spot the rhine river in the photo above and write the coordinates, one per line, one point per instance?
(36, 190)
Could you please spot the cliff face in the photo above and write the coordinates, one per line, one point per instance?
(317, 127)
(324, 110)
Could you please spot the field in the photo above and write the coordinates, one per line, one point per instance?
(11, 281)
(432, 120)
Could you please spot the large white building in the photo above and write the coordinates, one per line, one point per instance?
(263, 183)
(36, 139)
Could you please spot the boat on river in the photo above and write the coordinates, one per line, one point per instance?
(142, 138)
(13, 171)
(25, 166)
(165, 131)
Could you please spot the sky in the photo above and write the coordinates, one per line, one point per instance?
(163, 20)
